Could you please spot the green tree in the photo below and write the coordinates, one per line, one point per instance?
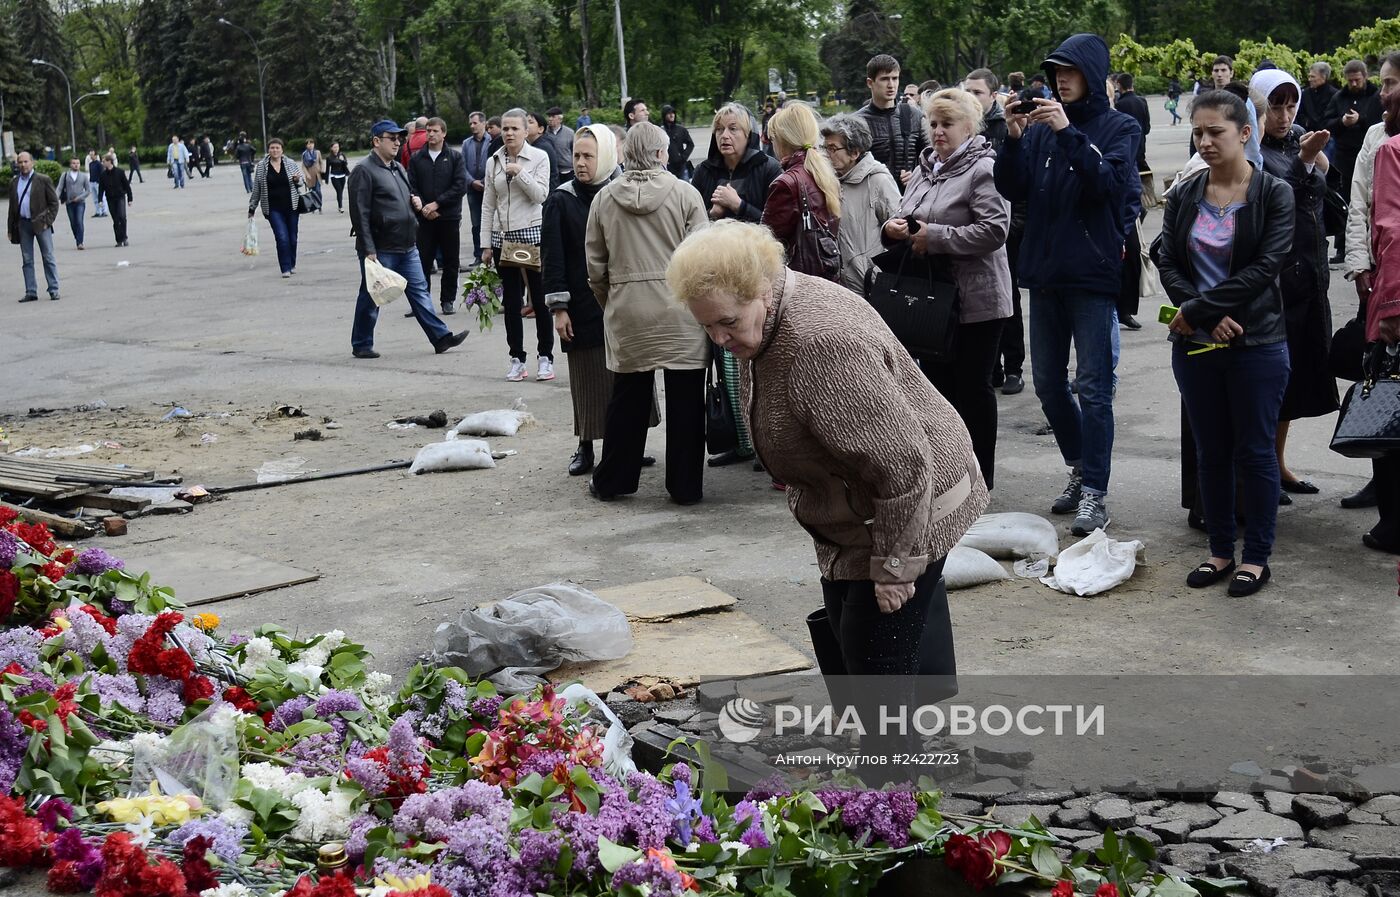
(39, 34)
(19, 88)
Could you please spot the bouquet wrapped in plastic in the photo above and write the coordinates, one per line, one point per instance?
(481, 290)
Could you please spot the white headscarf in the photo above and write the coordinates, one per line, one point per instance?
(607, 150)
(1267, 81)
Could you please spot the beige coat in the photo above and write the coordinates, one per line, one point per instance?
(517, 201)
(634, 226)
(869, 198)
(1359, 257)
(879, 466)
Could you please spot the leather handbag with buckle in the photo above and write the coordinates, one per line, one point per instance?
(919, 305)
(513, 254)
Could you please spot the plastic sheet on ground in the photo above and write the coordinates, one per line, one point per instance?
(63, 452)
(281, 469)
(1095, 565)
(1014, 534)
(516, 641)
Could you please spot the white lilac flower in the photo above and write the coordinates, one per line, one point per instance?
(149, 746)
(311, 671)
(274, 778)
(323, 816)
(739, 847)
(724, 879)
(236, 815)
(233, 889)
(111, 753)
(256, 655)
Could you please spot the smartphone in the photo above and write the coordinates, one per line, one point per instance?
(913, 225)
(1167, 313)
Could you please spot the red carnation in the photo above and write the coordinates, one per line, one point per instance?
(199, 875)
(239, 697)
(9, 593)
(1062, 889)
(54, 571)
(37, 535)
(1107, 889)
(22, 840)
(63, 878)
(197, 688)
(970, 858)
(106, 622)
(8, 516)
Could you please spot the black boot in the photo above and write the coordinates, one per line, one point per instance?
(1366, 498)
(582, 461)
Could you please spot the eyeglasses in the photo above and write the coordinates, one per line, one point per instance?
(397, 138)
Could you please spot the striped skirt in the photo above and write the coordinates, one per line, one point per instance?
(590, 386)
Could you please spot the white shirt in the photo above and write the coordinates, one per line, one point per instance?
(434, 154)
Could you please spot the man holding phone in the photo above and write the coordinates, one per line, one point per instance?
(1353, 111)
(1073, 161)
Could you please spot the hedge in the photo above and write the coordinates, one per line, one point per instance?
(43, 166)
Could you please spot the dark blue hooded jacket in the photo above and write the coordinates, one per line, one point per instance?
(1077, 183)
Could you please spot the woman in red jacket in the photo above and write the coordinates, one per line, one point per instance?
(806, 196)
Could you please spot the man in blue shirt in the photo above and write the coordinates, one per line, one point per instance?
(476, 149)
(33, 208)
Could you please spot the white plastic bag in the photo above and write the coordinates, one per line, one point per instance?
(250, 239)
(199, 758)
(617, 743)
(503, 422)
(384, 285)
(1014, 534)
(1095, 565)
(464, 454)
(515, 641)
(968, 567)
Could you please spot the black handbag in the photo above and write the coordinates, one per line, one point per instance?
(1369, 423)
(1334, 213)
(310, 202)
(918, 301)
(721, 432)
(815, 251)
(1348, 350)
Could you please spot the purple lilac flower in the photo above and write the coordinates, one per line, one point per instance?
(337, 702)
(130, 627)
(487, 708)
(50, 811)
(434, 816)
(746, 811)
(368, 775)
(236, 639)
(543, 763)
(405, 754)
(680, 772)
(582, 831)
(21, 646)
(358, 841)
(196, 643)
(13, 744)
(705, 830)
(117, 607)
(84, 853)
(684, 809)
(9, 549)
(480, 848)
(649, 873)
(643, 821)
(404, 868)
(163, 701)
(316, 755)
(226, 838)
(85, 634)
(120, 688)
(37, 682)
(533, 871)
(95, 562)
(289, 713)
(874, 815)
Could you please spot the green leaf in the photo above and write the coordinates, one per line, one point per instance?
(614, 856)
(1045, 862)
(1140, 847)
(308, 727)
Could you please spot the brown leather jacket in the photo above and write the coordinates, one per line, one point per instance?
(43, 204)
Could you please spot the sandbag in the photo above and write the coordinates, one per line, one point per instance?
(968, 567)
(1095, 565)
(1014, 534)
(503, 422)
(460, 454)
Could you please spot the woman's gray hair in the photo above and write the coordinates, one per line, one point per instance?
(852, 130)
(519, 113)
(1322, 68)
(644, 146)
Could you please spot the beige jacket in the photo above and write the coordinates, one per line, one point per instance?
(518, 201)
(1359, 258)
(634, 226)
(869, 198)
(879, 466)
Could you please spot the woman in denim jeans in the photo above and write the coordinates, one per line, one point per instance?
(277, 190)
(1224, 239)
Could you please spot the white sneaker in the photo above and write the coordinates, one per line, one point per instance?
(546, 370)
(517, 372)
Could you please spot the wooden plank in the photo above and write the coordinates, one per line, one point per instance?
(105, 471)
(207, 574)
(47, 491)
(64, 526)
(107, 502)
(666, 598)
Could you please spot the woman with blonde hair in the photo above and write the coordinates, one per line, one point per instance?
(806, 196)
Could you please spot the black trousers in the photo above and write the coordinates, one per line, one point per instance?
(136, 171)
(1130, 285)
(117, 209)
(338, 182)
(619, 471)
(1013, 335)
(1385, 472)
(966, 382)
(440, 234)
(513, 282)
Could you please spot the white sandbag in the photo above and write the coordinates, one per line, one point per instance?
(503, 422)
(1014, 534)
(461, 454)
(968, 567)
(1095, 565)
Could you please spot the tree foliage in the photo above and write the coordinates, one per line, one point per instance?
(39, 35)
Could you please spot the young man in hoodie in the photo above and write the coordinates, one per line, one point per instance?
(1073, 160)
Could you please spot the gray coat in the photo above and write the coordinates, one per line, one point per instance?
(74, 190)
(967, 220)
(869, 198)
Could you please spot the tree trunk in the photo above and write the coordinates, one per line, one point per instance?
(590, 93)
(733, 68)
(426, 93)
(388, 60)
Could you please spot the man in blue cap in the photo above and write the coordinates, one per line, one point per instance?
(384, 220)
(1073, 160)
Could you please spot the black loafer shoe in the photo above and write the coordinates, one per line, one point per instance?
(30, 299)
(1013, 386)
(1375, 544)
(582, 461)
(365, 353)
(1196, 521)
(1246, 584)
(1299, 487)
(593, 491)
(648, 461)
(1366, 498)
(725, 459)
(450, 341)
(448, 308)
(1130, 322)
(1284, 500)
(1208, 575)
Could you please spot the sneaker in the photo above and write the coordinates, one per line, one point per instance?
(546, 370)
(1069, 499)
(1093, 514)
(1013, 386)
(286, 274)
(517, 372)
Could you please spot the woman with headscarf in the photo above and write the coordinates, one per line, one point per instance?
(1297, 158)
(733, 181)
(578, 318)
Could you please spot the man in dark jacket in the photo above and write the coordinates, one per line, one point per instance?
(682, 144)
(383, 218)
(896, 129)
(94, 167)
(475, 152)
(115, 190)
(439, 181)
(983, 84)
(537, 133)
(1312, 108)
(1350, 115)
(1136, 106)
(33, 209)
(245, 155)
(1073, 160)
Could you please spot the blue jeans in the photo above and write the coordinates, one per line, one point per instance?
(1083, 429)
(367, 313)
(27, 237)
(77, 213)
(284, 231)
(98, 206)
(179, 169)
(247, 176)
(1232, 398)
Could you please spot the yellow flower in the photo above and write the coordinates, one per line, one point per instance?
(161, 809)
(205, 622)
(418, 882)
(62, 623)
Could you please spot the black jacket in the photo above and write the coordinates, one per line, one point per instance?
(1367, 103)
(897, 136)
(443, 182)
(682, 145)
(1312, 108)
(244, 153)
(546, 144)
(1263, 237)
(993, 128)
(564, 265)
(1136, 106)
(751, 178)
(381, 213)
(113, 186)
(1308, 257)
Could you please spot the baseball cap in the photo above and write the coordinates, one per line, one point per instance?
(385, 126)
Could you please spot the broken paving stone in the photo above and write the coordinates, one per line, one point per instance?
(1247, 825)
(1274, 782)
(704, 721)
(1308, 781)
(1147, 835)
(1038, 796)
(714, 695)
(1072, 835)
(114, 526)
(675, 713)
(1089, 800)
(960, 806)
(989, 790)
(997, 771)
(1070, 817)
(1005, 752)
(1114, 813)
(1371, 846)
(1319, 810)
(1193, 858)
(1280, 803)
(1267, 873)
(1236, 800)
(1364, 784)
(1301, 887)
(1017, 815)
(174, 506)
(1393, 817)
(1173, 831)
(1247, 768)
(1361, 817)
(1148, 807)
(1386, 803)
(663, 691)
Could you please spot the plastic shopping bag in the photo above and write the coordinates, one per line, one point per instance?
(384, 284)
(1095, 565)
(250, 239)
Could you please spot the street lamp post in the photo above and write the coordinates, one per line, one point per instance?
(262, 70)
(621, 50)
(72, 127)
(96, 93)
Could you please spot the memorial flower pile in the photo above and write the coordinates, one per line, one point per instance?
(145, 752)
